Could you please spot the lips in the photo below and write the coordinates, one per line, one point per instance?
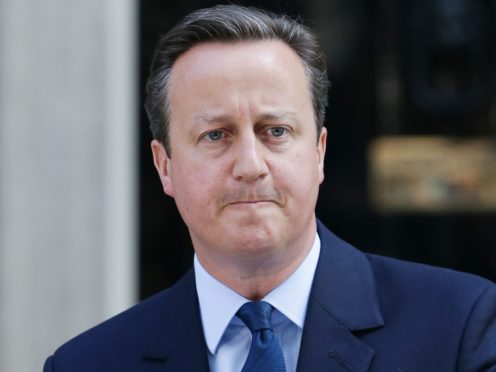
(250, 205)
(252, 202)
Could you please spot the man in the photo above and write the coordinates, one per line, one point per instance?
(236, 100)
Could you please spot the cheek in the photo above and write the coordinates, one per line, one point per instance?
(195, 190)
(300, 178)
(301, 168)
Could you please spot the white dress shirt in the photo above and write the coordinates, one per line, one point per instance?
(228, 339)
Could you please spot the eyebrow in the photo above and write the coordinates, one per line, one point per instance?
(265, 115)
(211, 118)
(280, 115)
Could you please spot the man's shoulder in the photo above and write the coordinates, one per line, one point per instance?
(124, 335)
(441, 309)
(432, 318)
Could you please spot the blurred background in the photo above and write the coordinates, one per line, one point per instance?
(411, 158)
(85, 230)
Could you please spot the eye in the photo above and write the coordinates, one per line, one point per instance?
(277, 131)
(214, 135)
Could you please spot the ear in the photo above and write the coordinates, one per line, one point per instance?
(321, 149)
(163, 165)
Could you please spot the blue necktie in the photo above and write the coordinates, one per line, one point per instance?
(265, 352)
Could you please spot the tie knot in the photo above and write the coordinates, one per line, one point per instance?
(256, 315)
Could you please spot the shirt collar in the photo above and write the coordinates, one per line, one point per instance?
(219, 303)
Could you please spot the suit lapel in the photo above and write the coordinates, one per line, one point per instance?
(174, 334)
(342, 302)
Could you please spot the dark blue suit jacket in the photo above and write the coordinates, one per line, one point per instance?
(365, 313)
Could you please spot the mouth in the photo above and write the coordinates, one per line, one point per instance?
(250, 203)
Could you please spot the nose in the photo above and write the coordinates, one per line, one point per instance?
(249, 161)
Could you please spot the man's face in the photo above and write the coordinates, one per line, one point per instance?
(245, 163)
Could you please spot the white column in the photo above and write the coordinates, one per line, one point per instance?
(67, 171)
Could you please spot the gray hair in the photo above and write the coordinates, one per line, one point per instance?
(231, 23)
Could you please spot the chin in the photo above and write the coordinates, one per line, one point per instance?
(258, 241)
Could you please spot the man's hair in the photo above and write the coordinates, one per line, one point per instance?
(231, 23)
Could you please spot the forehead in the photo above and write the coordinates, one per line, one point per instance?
(230, 58)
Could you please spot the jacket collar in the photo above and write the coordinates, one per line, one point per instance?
(343, 300)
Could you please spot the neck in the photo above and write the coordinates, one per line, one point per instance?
(254, 277)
